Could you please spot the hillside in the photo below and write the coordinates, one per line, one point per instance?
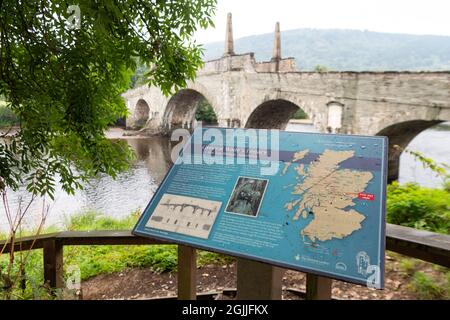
(348, 49)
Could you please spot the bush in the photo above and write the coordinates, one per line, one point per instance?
(300, 114)
(320, 68)
(417, 207)
(7, 116)
(205, 112)
(446, 184)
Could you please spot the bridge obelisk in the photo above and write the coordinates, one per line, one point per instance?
(229, 43)
(276, 52)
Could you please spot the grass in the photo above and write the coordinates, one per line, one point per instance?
(408, 205)
(427, 281)
(96, 260)
(408, 265)
(427, 288)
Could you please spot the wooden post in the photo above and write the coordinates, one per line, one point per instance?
(258, 281)
(187, 273)
(318, 288)
(53, 263)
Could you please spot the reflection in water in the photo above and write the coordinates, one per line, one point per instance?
(154, 153)
(133, 189)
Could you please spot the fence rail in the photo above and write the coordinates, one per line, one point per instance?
(423, 245)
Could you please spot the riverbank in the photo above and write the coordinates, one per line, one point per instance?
(111, 133)
(121, 133)
(144, 272)
(418, 207)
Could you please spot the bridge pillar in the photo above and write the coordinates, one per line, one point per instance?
(393, 163)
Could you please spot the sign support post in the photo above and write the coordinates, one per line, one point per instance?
(187, 273)
(258, 281)
(317, 287)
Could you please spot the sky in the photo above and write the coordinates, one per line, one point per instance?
(394, 16)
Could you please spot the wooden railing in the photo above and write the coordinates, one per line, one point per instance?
(414, 243)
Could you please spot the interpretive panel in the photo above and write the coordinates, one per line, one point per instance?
(305, 201)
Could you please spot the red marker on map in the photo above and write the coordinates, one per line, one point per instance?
(366, 196)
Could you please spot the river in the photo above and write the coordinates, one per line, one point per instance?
(132, 190)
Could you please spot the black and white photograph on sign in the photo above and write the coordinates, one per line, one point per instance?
(247, 196)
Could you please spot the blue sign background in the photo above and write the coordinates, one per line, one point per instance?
(273, 235)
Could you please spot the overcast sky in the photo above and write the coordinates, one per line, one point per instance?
(395, 16)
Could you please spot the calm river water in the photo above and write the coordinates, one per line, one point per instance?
(133, 189)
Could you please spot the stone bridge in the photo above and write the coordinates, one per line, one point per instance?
(250, 94)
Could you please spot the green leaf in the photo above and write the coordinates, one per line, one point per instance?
(63, 84)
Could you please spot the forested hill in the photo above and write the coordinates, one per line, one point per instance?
(348, 49)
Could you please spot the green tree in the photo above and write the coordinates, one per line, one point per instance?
(300, 114)
(139, 78)
(205, 112)
(320, 68)
(62, 69)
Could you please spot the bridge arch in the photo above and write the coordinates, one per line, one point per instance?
(272, 114)
(400, 135)
(181, 108)
(141, 113)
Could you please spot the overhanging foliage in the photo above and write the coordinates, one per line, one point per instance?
(63, 68)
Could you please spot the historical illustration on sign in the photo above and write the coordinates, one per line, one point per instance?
(186, 215)
(246, 197)
(321, 210)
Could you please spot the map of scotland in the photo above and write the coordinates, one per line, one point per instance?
(324, 192)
